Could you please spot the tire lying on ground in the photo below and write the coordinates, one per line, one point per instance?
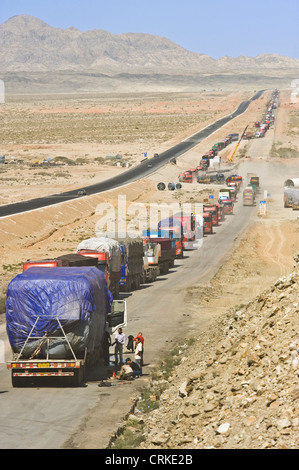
(161, 186)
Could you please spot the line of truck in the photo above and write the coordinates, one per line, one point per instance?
(60, 311)
(260, 128)
(198, 173)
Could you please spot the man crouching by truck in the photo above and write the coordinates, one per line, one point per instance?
(129, 370)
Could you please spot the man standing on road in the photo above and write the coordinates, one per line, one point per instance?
(120, 339)
(138, 353)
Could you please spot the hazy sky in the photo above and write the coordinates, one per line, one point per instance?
(213, 27)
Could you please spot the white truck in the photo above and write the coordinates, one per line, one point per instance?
(291, 193)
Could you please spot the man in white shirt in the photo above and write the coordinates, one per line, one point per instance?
(120, 340)
(138, 353)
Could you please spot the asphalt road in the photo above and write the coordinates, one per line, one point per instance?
(132, 174)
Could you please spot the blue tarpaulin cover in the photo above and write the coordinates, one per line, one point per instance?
(77, 296)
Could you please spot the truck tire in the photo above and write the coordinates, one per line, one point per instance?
(77, 378)
(137, 282)
(128, 284)
(165, 267)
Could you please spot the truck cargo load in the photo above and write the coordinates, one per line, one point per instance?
(77, 297)
(132, 262)
(76, 260)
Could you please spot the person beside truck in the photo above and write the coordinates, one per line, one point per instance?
(120, 340)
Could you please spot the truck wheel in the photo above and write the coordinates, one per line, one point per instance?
(137, 282)
(77, 378)
(128, 285)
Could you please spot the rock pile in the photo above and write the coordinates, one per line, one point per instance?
(237, 385)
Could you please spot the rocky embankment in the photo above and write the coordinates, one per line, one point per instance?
(237, 385)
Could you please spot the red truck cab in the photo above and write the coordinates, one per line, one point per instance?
(207, 222)
(228, 206)
(213, 209)
(188, 228)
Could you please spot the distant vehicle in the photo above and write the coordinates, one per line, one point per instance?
(228, 206)
(81, 192)
(248, 197)
(149, 165)
(234, 136)
(291, 193)
(248, 136)
(259, 134)
(156, 155)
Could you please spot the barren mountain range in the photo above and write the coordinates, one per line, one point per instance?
(28, 44)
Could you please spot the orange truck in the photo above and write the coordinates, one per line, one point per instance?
(109, 259)
(187, 222)
(207, 222)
